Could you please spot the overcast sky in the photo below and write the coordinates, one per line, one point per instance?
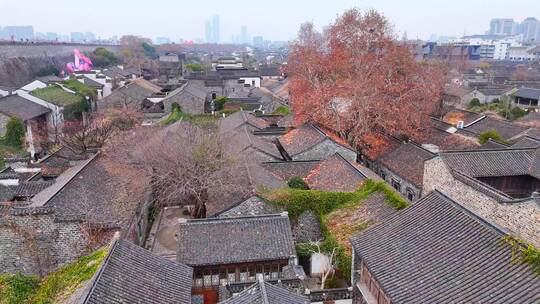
(273, 19)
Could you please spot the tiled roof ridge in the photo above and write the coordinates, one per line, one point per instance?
(475, 121)
(69, 179)
(510, 149)
(262, 288)
(294, 161)
(102, 266)
(234, 219)
(354, 168)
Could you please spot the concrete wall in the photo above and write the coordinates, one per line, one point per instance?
(33, 242)
(521, 219)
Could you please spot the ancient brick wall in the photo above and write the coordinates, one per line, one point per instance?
(521, 219)
(33, 242)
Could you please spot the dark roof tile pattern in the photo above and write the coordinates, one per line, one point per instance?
(219, 241)
(407, 161)
(289, 169)
(22, 108)
(241, 118)
(266, 293)
(528, 93)
(301, 139)
(132, 274)
(505, 128)
(526, 142)
(498, 162)
(335, 174)
(436, 251)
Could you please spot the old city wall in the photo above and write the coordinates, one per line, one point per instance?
(19, 63)
(34, 242)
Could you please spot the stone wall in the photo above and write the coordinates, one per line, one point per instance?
(326, 149)
(33, 242)
(521, 219)
(405, 185)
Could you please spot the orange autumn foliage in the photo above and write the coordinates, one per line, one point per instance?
(357, 80)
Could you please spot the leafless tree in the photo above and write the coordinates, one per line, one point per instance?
(329, 268)
(81, 136)
(186, 162)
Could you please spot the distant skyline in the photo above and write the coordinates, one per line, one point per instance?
(275, 20)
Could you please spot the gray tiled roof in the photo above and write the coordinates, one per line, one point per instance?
(499, 162)
(132, 274)
(266, 293)
(407, 161)
(436, 251)
(241, 118)
(301, 139)
(526, 142)
(528, 93)
(335, 174)
(22, 108)
(215, 241)
(254, 205)
(505, 128)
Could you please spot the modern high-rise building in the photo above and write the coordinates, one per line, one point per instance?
(258, 41)
(243, 35)
(211, 30)
(208, 31)
(18, 32)
(215, 28)
(501, 26)
(530, 30)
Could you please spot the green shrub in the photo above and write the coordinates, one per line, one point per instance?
(17, 288)
(220, 102)
(297, 183)
(322, 203)
(490, 134)
(15, 132)
(195, 67)
(517, 113)
(475, 102)
(176, 115)
(282, 110)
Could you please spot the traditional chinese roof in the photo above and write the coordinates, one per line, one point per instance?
(254, 205)
(505, 128)
(22, 108)
(242, 141)
(132, 274)
(266, 293)
(289, 169)
(92, 189)
(527, 142)
(436, 251)
(498, 162)
(218, 241)
(241, 118)
(452, 117)
(335, 174)
(407, 161)
(528, 93)
(301, 139)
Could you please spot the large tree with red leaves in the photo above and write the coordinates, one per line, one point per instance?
(358, 80)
